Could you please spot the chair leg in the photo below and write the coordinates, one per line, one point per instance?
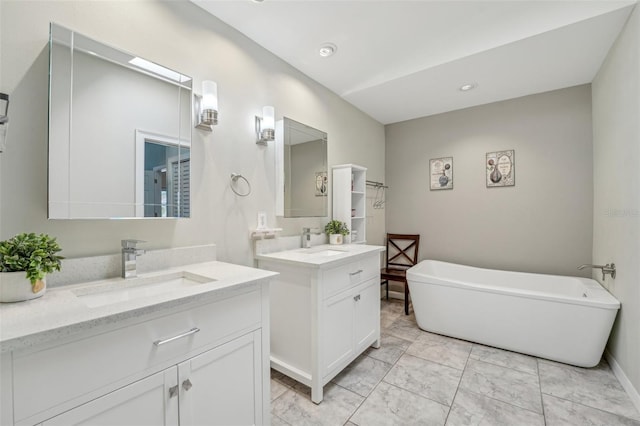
(406, 299)
(387, 283)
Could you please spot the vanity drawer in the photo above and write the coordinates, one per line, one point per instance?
(346, 276)
(76, 372)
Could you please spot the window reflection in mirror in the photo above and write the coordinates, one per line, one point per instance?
(301, 168)
(101, 100)
(162, 177)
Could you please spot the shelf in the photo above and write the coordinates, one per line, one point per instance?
(350, 197)
(260, 234)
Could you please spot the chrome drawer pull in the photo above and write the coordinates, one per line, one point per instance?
(173, 391)
(194, 330)
(356, 272)
(186, 385)
(356, 297)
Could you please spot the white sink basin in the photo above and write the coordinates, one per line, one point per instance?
(322, 252)
(124, 290)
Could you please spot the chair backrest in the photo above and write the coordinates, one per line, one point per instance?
(402, 250)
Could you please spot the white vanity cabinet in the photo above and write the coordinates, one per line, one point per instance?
(324, 313)
(352, 323)
(204, 362)
(217, 387)
(141, 403)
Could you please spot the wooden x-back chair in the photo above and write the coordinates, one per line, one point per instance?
(402, 254)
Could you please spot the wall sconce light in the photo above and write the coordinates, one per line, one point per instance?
(265, 125)
(207, 106)
(4, 119)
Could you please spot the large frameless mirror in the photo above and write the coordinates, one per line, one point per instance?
(301, 170)
(119, 133)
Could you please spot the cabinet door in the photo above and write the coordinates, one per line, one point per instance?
(367, 314)
(337, 336)
(223, 386)
(145, 402)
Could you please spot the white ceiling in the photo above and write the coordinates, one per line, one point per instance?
(401, 59)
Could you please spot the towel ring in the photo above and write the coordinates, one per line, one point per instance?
(234, 179)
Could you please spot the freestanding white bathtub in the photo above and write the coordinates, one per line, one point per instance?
(565, 319)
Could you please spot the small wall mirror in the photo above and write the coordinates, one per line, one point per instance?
(301, 170)
(119, 133)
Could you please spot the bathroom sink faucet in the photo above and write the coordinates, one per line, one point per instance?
(130, 257)
(609, 268)
(306, 236)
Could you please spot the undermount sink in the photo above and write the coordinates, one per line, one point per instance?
(322, 252)
(124, 290)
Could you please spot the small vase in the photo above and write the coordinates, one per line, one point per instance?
(495, 175)
(335, 239)
(15, 287)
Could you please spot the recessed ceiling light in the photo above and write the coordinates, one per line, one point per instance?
(327, 49)
(468, 86)
(258, 1)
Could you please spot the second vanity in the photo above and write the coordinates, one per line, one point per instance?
(187, 345)
(325, 310)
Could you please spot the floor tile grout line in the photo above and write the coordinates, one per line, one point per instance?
(502, 402)
(376, 386)
(591, 407)
(544, 415)
(505, 366)
(453, 401)
(508, 368)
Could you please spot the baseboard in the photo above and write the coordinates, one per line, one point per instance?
(392, 294)
(623, 379)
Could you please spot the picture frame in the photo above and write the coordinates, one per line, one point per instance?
(500, 168)
(441, 173)
(322, 184)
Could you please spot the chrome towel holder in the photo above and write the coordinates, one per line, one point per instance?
(234, 180)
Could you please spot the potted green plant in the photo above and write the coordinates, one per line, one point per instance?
(25, 260)
(336, 230)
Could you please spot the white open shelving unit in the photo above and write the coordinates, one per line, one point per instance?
(350, 199)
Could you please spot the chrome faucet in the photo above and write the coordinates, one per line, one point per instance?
(129, 257)
(609, 268)
(306, 236)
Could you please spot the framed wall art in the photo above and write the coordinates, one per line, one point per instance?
(441, 173)
(500, 167)
(321, 184)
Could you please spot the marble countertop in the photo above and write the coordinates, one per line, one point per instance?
(321, 256)
(62, 312)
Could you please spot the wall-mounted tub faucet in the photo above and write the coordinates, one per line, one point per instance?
(129, 257)
(609, 268)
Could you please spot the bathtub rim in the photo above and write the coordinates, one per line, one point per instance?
(602, 298)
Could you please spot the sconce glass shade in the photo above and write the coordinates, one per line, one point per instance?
(268, 118)
(4, 108)
(209, 95)
(265, 125)
(208, 106)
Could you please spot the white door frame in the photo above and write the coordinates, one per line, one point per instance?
(142, 137)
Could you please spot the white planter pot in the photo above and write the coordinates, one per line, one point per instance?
(336, 239)
(15, 287)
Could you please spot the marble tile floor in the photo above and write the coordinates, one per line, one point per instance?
(420, 378)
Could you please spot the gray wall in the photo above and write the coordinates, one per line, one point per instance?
(183, 37)
(542, 224)
(616, 224)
